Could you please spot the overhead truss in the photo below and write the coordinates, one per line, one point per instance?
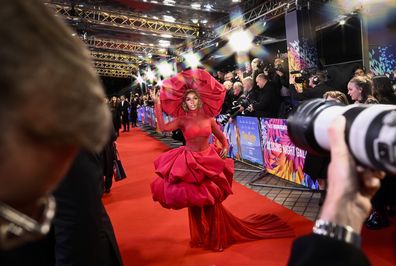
(124, 46)
(113, 73)
(114, 57)
(112, 65)
(125, 21)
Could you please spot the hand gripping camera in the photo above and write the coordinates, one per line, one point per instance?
(370, 131)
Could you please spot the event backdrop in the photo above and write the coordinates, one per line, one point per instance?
(250, 139)
(281, 157)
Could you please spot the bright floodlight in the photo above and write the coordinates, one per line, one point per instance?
(139, 79)
(342, 22)
(241, 41)
(192, 60)
(165, 69)
(150, 75)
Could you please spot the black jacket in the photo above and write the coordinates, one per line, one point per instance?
(83, 231)
(313, 250)
(268, 102)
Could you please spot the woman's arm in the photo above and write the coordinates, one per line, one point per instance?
(171, 126)
(220, 136)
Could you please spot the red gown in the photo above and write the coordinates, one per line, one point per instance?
(196, 177)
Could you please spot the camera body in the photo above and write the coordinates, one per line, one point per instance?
(305, 74)
(370, 131)
(242, 101)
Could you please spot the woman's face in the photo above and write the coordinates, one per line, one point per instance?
(192, 101)
(354, 91)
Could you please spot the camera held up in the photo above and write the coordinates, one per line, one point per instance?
(370, 131)
(243, 101)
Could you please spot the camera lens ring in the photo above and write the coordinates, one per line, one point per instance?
(300, 125)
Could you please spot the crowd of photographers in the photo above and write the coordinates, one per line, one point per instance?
(267, 90)
(270, 91)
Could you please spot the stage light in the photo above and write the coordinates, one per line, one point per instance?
(139, 79)
(196, 5)
(169, 2)
(164, 43)
(192, 60)
(342, 22)
(240, 41)
(169, 18)
(208, 6)
(166, 36)
(165, 69)
(150, 75)
(159, 82)
(194, 20)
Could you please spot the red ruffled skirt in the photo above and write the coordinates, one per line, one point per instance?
(200, 181)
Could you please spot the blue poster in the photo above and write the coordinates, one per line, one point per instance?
(145, 117)
(152, 114)
(250, 139)
(140, 112)
(230, 130)
(167, 119)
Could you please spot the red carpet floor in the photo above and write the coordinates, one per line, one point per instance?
(148, 234)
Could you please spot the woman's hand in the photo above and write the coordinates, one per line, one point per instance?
(154, 96)
(223, 153)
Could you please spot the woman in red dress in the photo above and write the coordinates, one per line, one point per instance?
(198, 176)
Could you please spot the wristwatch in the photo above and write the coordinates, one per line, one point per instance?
(343, 233)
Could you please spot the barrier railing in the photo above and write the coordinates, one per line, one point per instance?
(262, 142)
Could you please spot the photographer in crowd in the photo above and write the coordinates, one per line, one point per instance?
(268, 101)
(317, 86)
(336, 235)
(227, 104)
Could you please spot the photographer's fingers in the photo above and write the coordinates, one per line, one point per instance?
(370, 181)
(341, 173)
(338, 147)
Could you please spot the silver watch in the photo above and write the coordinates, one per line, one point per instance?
(17, 228)
(343, 233)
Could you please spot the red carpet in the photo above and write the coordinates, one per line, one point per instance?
(148, 234)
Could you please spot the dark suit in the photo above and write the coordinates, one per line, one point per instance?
(108, 156)
(313, 250)
(227, 104)
(134, 106)
(124, 106)
(83, 231)
(268, 102)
